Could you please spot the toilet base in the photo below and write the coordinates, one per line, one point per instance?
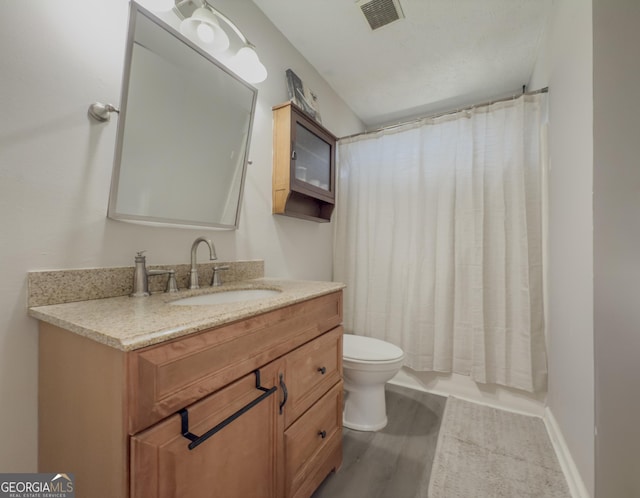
(364, 428)
(364, 408)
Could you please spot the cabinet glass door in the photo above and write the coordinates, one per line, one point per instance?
(312, 159)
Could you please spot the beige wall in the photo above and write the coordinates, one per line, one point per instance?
(594, 246)
(617, 246)
(566, 66)
(55, 171)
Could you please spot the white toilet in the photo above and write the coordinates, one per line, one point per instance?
(368, 364)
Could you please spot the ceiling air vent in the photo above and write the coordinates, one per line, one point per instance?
(380, 12)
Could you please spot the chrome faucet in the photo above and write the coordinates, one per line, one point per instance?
(193, 276)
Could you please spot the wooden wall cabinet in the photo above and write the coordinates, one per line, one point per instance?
(117, 420)
(303, 165)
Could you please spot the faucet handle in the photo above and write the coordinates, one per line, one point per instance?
(172, 285)
(216, 280)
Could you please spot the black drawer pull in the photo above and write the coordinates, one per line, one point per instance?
(198, 440)
(322, 434)
(322, 370)
(285, 393)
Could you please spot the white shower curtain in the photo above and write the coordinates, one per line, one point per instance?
(439, 240)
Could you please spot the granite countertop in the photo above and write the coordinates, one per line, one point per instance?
(127, 323)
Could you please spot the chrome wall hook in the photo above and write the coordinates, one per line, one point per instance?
(102, 112)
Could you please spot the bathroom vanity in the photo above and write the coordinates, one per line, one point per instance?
(142, 398)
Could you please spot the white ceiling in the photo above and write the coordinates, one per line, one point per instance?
(444, 54)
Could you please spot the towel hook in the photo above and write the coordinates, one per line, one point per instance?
(102, 112)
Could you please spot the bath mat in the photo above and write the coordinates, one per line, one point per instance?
(483, 452)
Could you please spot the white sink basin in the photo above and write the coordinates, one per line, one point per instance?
(231, 296)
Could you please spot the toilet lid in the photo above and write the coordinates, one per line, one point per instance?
(358, 347)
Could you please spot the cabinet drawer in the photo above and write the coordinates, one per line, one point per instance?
(171, 375)
(313, 444)
(239, 460)
(311, 371)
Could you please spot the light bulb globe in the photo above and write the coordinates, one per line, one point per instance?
(205, 33)
(248, 66)
(204, 29)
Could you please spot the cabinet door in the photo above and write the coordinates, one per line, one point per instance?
(313, 159)
(240, 460)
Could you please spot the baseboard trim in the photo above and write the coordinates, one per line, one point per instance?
(567, 464)
(463, 387)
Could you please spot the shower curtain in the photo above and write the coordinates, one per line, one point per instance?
(439, 240)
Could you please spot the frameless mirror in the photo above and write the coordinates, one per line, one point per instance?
(183, 132)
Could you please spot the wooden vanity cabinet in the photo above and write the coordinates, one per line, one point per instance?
(271, 385)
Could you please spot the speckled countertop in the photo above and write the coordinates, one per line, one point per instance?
(128, 323)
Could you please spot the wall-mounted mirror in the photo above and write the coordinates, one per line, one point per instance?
(183, 132)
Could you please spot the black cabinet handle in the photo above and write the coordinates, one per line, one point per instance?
(198, 440)
(322, 434)
(322, 370)
(285, 393)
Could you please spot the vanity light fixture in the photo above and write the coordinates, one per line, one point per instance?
(215, 33)
(203, 28)
(157, 5)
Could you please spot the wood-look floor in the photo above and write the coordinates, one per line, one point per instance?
(396, 461)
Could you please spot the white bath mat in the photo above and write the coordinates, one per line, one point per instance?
(483, 452)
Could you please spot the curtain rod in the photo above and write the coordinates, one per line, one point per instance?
(446, 113)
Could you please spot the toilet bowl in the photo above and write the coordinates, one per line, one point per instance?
(368, 364)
